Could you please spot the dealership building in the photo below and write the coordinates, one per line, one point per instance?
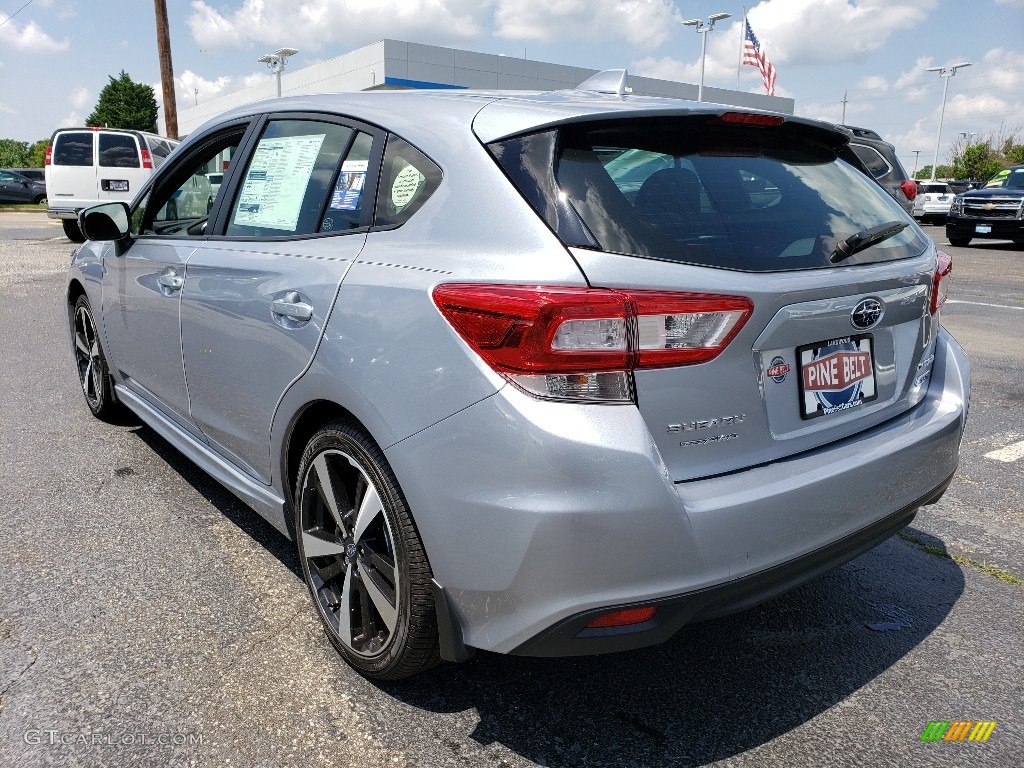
(395, 64)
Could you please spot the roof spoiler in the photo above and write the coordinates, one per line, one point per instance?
(615, 81)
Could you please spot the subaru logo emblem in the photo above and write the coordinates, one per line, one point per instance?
(867, 314)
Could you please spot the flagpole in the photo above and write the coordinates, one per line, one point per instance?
(743, 37)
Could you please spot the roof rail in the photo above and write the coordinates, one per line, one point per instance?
(609, 81)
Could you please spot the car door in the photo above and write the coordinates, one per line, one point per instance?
(257, 294)
(14, 188)
(143, 280)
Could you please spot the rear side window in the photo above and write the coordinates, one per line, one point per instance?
(872, 160)
(744, 198)
(73, 148)
(408, 179)
(118, 150)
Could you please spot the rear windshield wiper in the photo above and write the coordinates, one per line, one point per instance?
(865, 239)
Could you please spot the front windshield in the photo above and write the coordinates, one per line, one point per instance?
(1008, 178)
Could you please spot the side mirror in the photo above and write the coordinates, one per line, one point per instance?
(108, 221)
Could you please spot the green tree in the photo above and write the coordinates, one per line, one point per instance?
(124, 103)
(1015, 154)
(37, 154)
(941, 172)
(977, 161)
(13, 154)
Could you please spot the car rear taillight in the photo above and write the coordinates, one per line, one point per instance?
(147, 161)
(909, 189)
(940, 282)
(584, 343)
(746, 118)
(49, 155)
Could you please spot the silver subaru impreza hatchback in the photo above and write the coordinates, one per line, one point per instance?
(537, 373)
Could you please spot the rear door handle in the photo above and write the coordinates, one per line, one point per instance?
(296, 310)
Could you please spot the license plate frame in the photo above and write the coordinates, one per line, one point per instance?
(983, 229)
(116, 185)
(836, 375)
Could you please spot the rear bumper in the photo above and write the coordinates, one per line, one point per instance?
(1002, 229)
(537, 516)
(63, 213)
(572, 637)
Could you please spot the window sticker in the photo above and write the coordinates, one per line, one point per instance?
(276, 182)
(408, 182)
(349, 187)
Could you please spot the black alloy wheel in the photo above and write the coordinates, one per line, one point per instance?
(93, 374)
(362, 557)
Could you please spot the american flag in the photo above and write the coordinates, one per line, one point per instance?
(755, 57)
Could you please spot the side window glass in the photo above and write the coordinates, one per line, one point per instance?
(118, 150)
(288, 180)
(346, 204)
(408, 179)
(872, 160)
(73, 148)
(180, 206)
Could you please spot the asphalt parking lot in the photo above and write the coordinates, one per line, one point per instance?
(148, 618)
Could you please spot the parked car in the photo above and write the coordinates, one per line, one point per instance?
(933, 200)
(15, 188)
(879, 156)
(504, 396)
(994, 212)
(35, 174)
(85, 166)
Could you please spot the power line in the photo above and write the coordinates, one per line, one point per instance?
(26, 5)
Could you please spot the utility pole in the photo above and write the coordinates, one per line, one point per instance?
(916, 152)
(844, 107)
(163, 44)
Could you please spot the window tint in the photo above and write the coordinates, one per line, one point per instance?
(73, 148)
(8, 177)
(408, 179)
(118, 150)
(344, 210)
(872, 159)
(290, 175)
(180, 206)
(677, 189)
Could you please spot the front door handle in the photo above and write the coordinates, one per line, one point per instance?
(293, 309)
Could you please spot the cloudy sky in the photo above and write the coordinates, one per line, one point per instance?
(56, 55)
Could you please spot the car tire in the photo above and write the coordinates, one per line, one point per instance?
(39, 199)
(959, 242)
(362, 557)
(72, 231)
(93, 373)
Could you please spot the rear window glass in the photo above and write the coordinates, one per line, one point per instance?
(118, 150)
(73, 148)
(676, 189)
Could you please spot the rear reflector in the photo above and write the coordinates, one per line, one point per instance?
(940, 282)
(624, 618)
(539, 336)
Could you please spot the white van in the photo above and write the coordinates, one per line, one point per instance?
(86, 166)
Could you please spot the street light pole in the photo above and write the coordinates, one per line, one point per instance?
(916, 152)
(276, 61)
(703, 29)
(945, 74)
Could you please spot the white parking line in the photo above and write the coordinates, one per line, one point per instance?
(983, 304)
(1008, 454)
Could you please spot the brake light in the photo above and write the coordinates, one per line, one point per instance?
(147, 161)
(909, 189)
(584, 343)
(746, 118)
(940, 282)
(49, 155)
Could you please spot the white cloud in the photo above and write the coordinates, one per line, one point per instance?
(832, 31)
(28, 37)
(79, 98)
(641, 23)
(5, 110)
(875, 83)
(73, 120)
(1004, 70)
(275, 23)
(188, 83)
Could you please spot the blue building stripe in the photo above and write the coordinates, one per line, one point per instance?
(401, 81)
